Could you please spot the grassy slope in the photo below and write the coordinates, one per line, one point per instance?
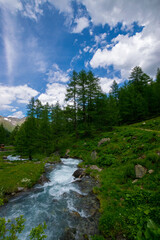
(128, 209)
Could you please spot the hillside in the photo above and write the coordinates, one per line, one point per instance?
(10, 123)
(129, 203)
(126, 164)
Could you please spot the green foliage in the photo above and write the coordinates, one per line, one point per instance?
(38, 233)
(4, 135)
(9, 230)
(106, 160)
(14, 229)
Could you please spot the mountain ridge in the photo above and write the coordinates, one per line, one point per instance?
(10, 123)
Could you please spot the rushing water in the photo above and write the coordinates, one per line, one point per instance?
(54, 202)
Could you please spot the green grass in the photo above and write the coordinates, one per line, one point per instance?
(21, 173)
(152, 124)
(127, 209)
(14, 175)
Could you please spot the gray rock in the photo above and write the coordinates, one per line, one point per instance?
(67, 153)
(94, 155)
(135, 180)
(94, 167)
(79, 173)
(150, 171)
(20, 189)
(43, 179)
(103, 140)
(140, 171)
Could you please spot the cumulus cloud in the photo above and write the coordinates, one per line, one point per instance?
(114, 11)
(12, 94)
(125, 52)
(141, 49)
(106, 83)
(55, 92)
(82, 23)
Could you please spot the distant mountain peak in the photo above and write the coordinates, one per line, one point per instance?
(11, 122)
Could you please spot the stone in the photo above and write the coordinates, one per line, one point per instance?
(67, 153)
(43, 179)
(94, 155)
(135, 180)
(158, 153)
(103, 140)
(26, 180)
(140, 171)
(150, 171)
(20, 189)
(94, 167)
(76, 214)
(134, 137)
(79, 173)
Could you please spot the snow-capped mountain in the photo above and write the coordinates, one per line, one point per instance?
(10, 122)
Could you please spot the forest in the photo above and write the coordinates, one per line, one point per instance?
(87, 110)
(127, 120)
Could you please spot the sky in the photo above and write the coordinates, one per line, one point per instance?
(43, 41)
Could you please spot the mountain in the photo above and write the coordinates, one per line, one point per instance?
(10, 122)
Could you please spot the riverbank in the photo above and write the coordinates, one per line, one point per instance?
(69, 207)
(18, 176)
(128, 161)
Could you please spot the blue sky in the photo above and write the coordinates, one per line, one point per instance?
(42, 41)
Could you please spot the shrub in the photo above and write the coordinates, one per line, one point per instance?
(106, 160)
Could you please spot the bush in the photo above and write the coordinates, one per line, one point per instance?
(106, 160)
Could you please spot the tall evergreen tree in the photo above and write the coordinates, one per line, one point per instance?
(71, 96)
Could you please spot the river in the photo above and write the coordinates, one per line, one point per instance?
(67, 207)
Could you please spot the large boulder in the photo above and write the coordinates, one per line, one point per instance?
(140, 171)
(103, 140)
(93, 155)
(79, 173)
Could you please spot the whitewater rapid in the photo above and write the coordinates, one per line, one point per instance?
(54, 202)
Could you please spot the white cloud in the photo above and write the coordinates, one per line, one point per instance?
(34, 55)
(55, 92)
(100, 38)
(18, 114)
(112, 12)
(11, 5)
(106, 83)
(11, 42)
(55, 74)
(141, 49)
(32, 9)
(12, 94)
(64, 6)
(82, 23)
(86, 49)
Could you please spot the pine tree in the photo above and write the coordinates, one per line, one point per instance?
(71, 96)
